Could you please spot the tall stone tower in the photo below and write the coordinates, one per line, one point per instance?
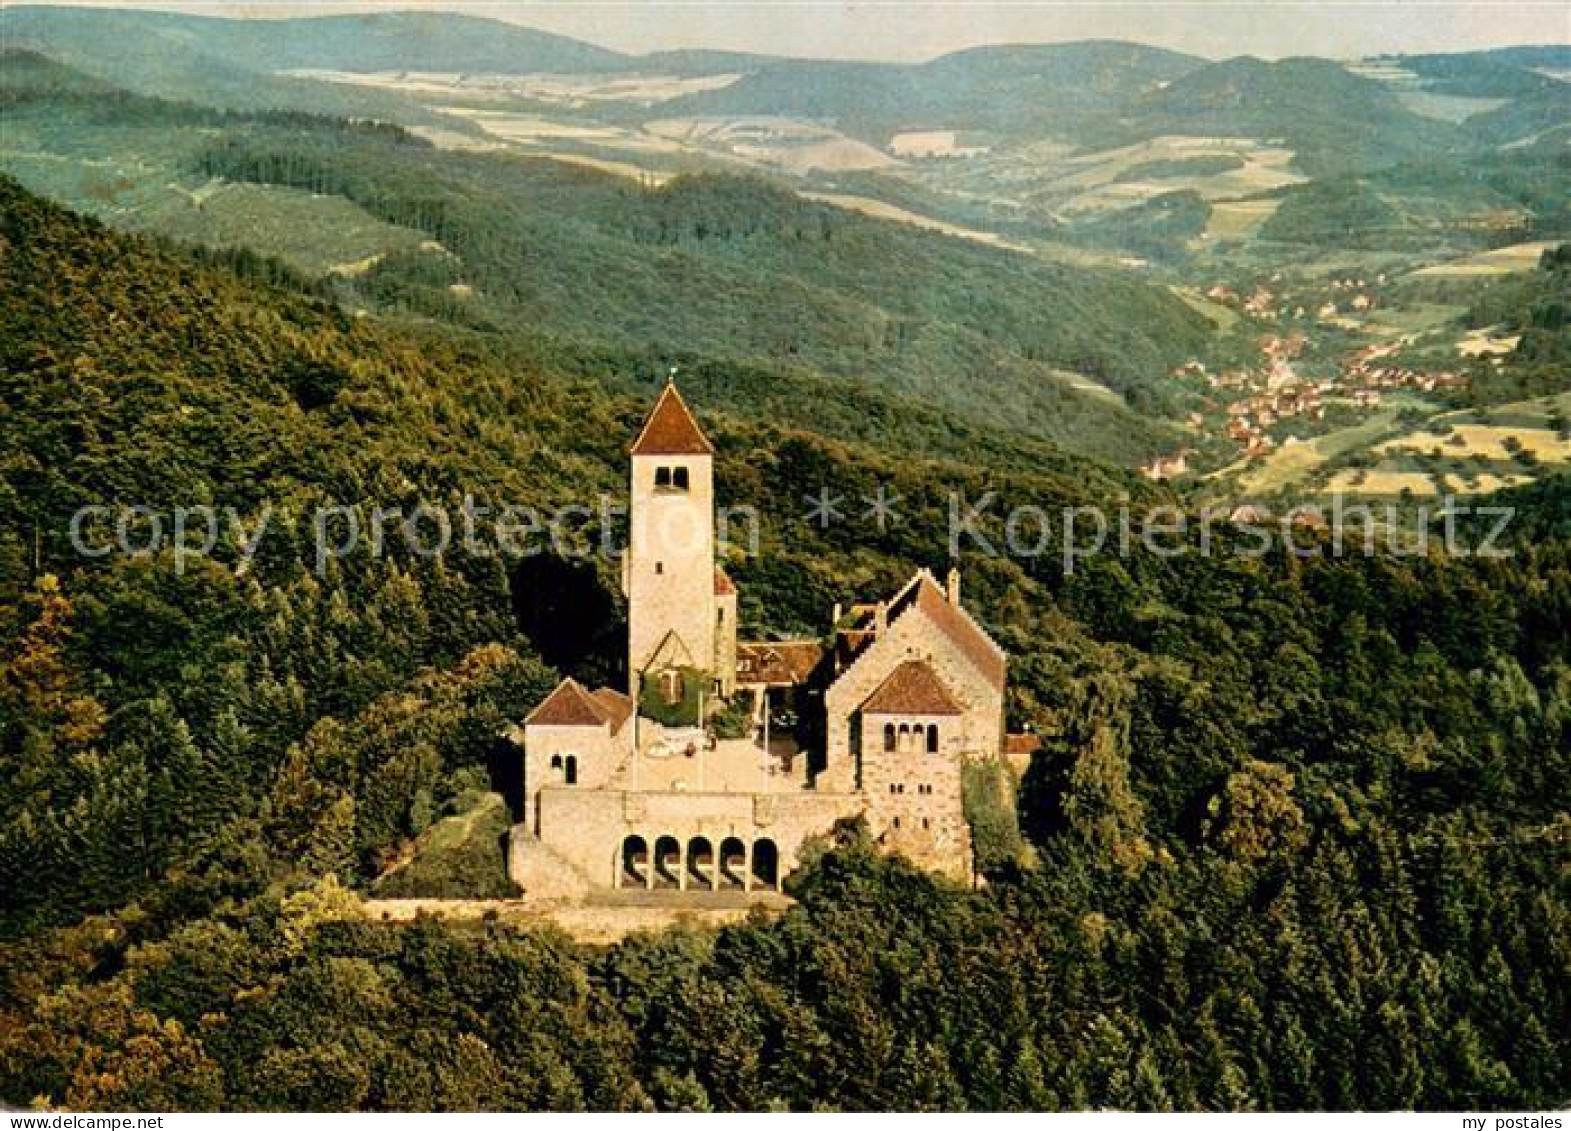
(669, 574)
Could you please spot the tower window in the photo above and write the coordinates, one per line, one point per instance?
(671, 479)
(660, 567)
(932, 738)
(662, 477)
(679, 478)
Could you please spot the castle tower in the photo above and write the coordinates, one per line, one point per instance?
(669, 574)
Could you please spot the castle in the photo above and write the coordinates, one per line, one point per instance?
(636, 790)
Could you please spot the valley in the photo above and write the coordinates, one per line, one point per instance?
(1276, 200)
(1229, 817)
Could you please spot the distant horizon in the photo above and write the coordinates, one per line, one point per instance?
(888, 32)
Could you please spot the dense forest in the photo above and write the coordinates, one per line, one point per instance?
(736, 268)
(1296, 837)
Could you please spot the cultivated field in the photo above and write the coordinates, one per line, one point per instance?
(794, 146)
(1093, 181)
(1484, 441)
(1501, 261)
(566, 90)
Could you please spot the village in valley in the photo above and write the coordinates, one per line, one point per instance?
(1349, 388)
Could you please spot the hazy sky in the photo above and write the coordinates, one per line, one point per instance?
(887, 29)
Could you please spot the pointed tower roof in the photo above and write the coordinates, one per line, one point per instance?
(671, 429)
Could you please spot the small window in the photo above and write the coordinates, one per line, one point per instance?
(932, 739)
(572, 769)
(679, 478)
(924, 822)
(720, 614)
(663, 477)
(660, 567)
(671, 686)
(889, 738)
(897, 822)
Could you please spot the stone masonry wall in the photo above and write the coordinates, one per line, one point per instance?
(586, 828)
(671, 563)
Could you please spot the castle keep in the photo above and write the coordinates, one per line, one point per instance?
(635, 790)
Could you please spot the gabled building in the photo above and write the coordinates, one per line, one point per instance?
(875, 721)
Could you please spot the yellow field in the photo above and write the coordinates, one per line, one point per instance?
(1381, 483)
(1485, 441)
(1093, 177)
(1501, 261)
(568, 90)
(1238, 219)
(1481, 342)
(1485, 483)
(1287, 465)
(785, 143)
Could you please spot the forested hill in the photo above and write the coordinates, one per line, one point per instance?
(738, 268)
(724, 269)
(1296, 837)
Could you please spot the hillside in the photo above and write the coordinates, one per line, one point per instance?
(376, 41)
(1332, 119)
(1351, 769)
(718, 267)
(1016, 89)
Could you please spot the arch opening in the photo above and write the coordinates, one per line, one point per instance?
(733, 864)
(700, 864)
(632, 871)
(766, 865)
(667, 864)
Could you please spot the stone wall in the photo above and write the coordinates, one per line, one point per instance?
(586, 829)
(725, 642)
(911, 636)
(914, 801)
(594, 757)
(670, 567)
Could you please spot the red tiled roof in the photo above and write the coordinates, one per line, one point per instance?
(724, 586)
(777, 663)
(618, 707)
(671, 430)
(913, 688)
(567, 706)
(1021, 746)
(954, 623)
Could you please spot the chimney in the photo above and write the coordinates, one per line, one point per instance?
(880, 618)
(952, 585)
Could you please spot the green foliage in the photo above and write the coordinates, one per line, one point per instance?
(1299, 819)
(459, 857)
(988, 791)
(682, 711)
(735, 719)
